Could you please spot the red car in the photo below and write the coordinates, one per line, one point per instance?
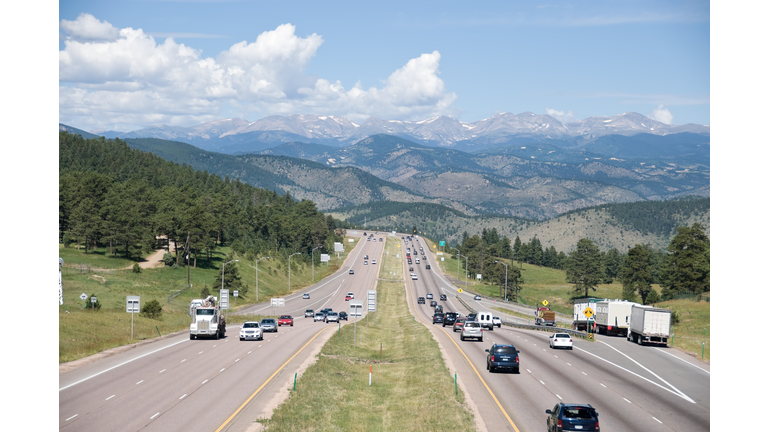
(285, 320)
(347, 298)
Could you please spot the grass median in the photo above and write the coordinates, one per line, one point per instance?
(411, 387)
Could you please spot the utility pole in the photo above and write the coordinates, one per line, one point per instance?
(257, 277)
(186, 249)
(289, 270)
(313, 262)
(506, 276)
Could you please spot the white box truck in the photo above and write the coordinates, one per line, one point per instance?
(612, 316)
(650, 325)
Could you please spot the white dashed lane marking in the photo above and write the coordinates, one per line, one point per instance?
(71, 417)
(162, 371)
(183, 396)
(110, 397)
(156, 414)
(139, 382)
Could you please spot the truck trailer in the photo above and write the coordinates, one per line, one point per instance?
(612, 316)
(207, 320)
(580, 320)
(649, 325)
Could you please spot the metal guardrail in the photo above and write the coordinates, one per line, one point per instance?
(505, 302)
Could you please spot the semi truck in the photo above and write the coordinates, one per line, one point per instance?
(580, 320)
(612, 316)
(545, 316)
(649, 325)
(207, 320)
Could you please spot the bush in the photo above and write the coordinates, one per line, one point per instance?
(66, 239)
(95, 306)
(136, 268)
(653, 297)
(675, 317)
(205, 292)
(152, 309)
(169, 259)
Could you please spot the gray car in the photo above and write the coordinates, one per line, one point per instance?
(332, 317)
(319, 316)
(472, 329)
(268, 325)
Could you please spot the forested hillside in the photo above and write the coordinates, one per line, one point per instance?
(126, 199)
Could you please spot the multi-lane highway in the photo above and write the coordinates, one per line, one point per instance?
(633, 388)
(178, 384)
(197, 385)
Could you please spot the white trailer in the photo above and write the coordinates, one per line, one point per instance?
(580, 320)
(612, 316)
(648, 324)
(207, 320)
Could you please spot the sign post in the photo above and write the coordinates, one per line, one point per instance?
(132, 306)
(235, 293)
(356, 310)
(83, 297)
(372, 304)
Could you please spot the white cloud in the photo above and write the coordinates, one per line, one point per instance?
(662, 114)
(562, 116)
(131, 81)
(87, 28)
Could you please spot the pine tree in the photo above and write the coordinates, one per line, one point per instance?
(636, 276)
(687, 264)
(584, 268)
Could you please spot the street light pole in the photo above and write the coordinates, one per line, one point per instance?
(313, 261)
(458, 264)
(257, 277)
(506, 277)
(289, 270)
(466, 270)
(222, 272)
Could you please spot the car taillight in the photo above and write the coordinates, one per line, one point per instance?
(517, 359)
(597, 426)
(559, 423)
(555, 340)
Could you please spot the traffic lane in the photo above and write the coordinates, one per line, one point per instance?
(574, 374)
(136, 404)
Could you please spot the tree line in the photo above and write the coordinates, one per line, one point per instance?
(127, 200)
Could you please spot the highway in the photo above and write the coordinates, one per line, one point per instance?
(180, 384)
(633, 388)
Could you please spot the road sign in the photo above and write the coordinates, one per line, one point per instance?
(93, 300)
(545, 302)
(442, 242)
(83, 296)
(588, 312)
(235, 293)
(132, 304)
(224, 299)
(355, 308)
(279, 302)
(461, 290)
(371, 300)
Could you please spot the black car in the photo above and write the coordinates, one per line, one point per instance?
(437, 318)
(410, 269)
(428, 267)
(566, 417)
(422, 300)
(432, 303)
(449, 318)
(471, 317)
(343, 316)
(503, 357)
(443, 297)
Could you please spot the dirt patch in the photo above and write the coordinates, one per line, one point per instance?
(101, 279)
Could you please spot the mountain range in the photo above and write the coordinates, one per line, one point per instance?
(232, 136)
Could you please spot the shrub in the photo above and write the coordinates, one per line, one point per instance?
(95, 306)
(152, 309)
(653, 297)
(136, 268)
(66, 239)
(205, 292)
(675, 317)
(169, 259)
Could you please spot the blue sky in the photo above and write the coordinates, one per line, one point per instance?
(392, 60)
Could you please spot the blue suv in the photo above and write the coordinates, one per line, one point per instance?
(503, 357)
(571, 417)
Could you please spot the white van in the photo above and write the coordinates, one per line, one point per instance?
(485, 319)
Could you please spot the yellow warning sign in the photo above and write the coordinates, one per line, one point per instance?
(588, 312)
(545, 302)
(461, 290)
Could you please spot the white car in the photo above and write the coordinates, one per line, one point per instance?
(305, 296)
(365, 262)
(351, 295)
(497, 322)
(414, 277)
(373, 261)
(251, 330)
(561, 340)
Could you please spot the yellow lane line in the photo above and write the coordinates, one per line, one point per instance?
(413, 297)
(268, 380)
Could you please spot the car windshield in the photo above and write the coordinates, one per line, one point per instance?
(268, 321)
(285, 317)
(251, 325)
(578, 413)
(204, 311)
(332, 314)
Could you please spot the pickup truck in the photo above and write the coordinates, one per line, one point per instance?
(285, 320)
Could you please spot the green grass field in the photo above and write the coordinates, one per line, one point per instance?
(86, 332)
(412, 389)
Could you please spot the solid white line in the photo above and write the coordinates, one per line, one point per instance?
(139, 382)
(639, 376)
(185, 395)
(627, 400)
(683, 360)
(656, 419)
(157, 414)
(162, 371)
(650, 371)
(110, 397)
(71, 417)
(121, 364)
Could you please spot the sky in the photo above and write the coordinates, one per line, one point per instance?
(125, 65)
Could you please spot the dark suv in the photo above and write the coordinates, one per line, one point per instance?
(437, 318)
(503, 357)
(572, 417)
(449, 318)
